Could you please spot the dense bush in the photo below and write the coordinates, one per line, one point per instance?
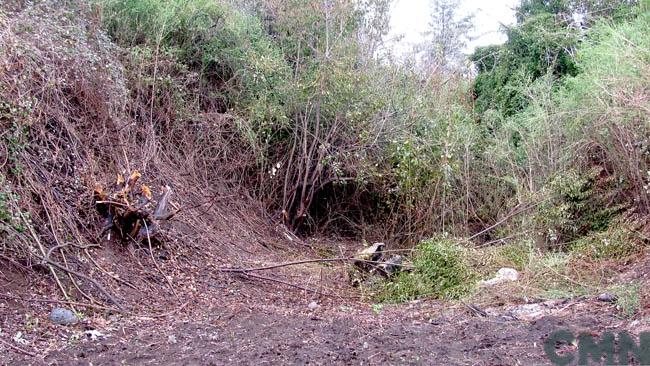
(616, 243)
(341, 140)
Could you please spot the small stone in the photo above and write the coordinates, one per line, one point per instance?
(313, 305)
(172, 339)
(18, 338)
(366, 345)
(606, 297)
(63, 316)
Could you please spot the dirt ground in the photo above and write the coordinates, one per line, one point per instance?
(222, 319)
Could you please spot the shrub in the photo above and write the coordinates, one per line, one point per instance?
(517, 255)
(617, 242)
(11, 220)
(575, 204)
(440, 269)
(628, 300)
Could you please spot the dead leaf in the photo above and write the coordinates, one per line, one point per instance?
(146, 191)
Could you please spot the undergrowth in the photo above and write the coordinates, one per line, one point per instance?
(441, 269)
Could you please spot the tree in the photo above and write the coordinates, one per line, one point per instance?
(447, 36)
(542, 42)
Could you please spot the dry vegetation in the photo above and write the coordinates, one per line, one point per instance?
(68, 117)
(273, 122)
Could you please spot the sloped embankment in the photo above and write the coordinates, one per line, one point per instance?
(74, 114)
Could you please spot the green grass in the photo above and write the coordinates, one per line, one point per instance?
(628, 300)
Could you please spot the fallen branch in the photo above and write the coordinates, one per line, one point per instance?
(506, 218)
(83, 276)
(475, 309)
(42, 250)
(492, 242)
(116, 278)
(163, 315)
(306, 261)
(169, 282)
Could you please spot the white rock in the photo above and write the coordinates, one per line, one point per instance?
(503, 275)
(313, 305)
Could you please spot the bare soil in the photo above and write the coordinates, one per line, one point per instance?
(218, 319)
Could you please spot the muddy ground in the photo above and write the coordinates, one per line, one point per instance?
(222, 319)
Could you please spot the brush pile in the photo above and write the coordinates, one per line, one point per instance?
(131, 210)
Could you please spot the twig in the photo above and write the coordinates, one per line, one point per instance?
(6, 156)
(94, 282)
(171, 312)
(508, 217)
(290, 285)
(108, 273)
(475, 309)
(42, 250)
(113, 203)
(17, 349)
(74, 283)
(492, 242)
(569, 279)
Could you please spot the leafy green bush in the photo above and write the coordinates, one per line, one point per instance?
(440, 269)
(517, 255)
(617, 242)
(606, 106)
(575, 204)
(540, 43)
(9, 219)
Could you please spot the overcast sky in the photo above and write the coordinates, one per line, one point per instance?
(410, 18)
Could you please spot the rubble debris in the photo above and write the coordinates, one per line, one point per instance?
(503, 275)
(393, 265)
(372, 261)
(371, 253)
(365, 259)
